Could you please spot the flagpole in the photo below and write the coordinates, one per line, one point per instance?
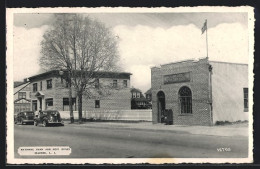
(207, 37)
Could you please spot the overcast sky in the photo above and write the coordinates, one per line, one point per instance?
(145, 40)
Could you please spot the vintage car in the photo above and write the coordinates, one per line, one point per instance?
(48, 117)
(24, 117)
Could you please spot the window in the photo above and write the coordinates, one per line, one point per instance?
(125, 83)
(245, 99)
(185, 99)
(66, 105)
(134, 94)
(40, 85)
(49, 84)
(97, 83)
(97, 103)
(115, 83)
(21, 95)
(138, 95)
(49, 102)
(35, 87)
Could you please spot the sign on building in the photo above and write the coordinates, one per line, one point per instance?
(176, 78)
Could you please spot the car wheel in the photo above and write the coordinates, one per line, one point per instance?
(44, 124)
(35, 123)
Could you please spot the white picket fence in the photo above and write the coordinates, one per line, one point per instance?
(122, 115)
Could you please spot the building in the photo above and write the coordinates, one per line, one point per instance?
(200, 92)
(22, 98)
(50, 90)
(148, 96)
(138, 100)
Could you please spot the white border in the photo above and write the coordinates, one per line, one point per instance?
(10, 107)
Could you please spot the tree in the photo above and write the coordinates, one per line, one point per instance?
(83, 47)
(55, 52)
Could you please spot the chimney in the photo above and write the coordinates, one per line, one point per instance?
(26, 80)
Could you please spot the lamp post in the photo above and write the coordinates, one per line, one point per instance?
(61, 72)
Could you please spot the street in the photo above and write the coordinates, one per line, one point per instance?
(127, 143)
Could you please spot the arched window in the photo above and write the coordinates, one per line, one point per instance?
(185, 98)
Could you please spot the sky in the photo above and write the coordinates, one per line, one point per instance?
(145, 40)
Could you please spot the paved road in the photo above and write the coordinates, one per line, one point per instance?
(126, 143)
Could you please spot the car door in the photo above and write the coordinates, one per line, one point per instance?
(19, 117)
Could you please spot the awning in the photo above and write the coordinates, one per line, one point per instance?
(39, 94)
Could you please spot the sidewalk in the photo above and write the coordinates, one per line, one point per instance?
(228, 130)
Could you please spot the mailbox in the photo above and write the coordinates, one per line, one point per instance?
(168, 117)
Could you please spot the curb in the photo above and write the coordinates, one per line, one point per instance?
(153, 130)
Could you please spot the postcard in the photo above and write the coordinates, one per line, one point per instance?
(130, 85)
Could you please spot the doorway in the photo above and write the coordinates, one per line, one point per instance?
(161, 106)
(34, 105)
(40, 100)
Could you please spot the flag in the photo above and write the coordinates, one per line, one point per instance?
(204, 27)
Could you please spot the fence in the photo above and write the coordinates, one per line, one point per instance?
(122, 115)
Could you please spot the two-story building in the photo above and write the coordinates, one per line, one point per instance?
(200, 92)
(138, 100)
(22, 98)
(50, 90)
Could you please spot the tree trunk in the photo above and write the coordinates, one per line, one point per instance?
(80, 105)
(70, 103)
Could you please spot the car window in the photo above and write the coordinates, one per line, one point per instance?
(29, 113)
(52, 112)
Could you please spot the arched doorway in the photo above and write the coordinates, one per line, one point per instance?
(160, 105)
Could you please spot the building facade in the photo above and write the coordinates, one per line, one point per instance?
(50, 91)
(200, 92)
(22, 96)
(138, 100)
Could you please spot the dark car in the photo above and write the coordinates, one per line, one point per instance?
(24, 117)
(48, 117)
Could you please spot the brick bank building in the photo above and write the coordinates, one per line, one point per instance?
(200, 92)
(49, 91)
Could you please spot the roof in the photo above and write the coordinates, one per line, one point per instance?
(22, 99)
(135, 90)
(20, 87)
(148, 91)
(197, 60)
(18, 83)
(99, 74)
(39, 94)
(227, 62)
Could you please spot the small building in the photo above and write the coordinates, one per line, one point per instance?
(138, 100)
(200, 92)
(148, 96)
(50, 90)
(22, 98)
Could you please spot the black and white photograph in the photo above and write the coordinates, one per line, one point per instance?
(130, 85)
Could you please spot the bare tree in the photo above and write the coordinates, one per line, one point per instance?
(83, 47)
(56, 53)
